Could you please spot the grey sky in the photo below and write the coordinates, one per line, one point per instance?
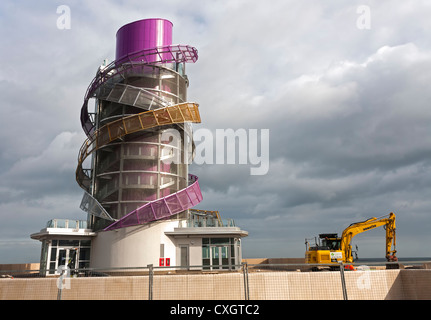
(347, 109)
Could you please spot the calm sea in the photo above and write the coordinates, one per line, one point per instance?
(377, 260)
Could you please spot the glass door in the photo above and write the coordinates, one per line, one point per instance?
(224, 257)
(219, 257)
(61, 257)
(66, 257)
(215, 257)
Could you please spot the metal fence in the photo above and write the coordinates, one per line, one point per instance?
(411, 280)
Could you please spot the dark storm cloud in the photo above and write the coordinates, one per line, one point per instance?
(344, 126)
(346, 144)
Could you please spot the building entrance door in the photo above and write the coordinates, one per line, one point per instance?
(184, 256)
(66, 257)
(220, 257)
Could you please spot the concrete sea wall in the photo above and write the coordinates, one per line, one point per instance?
(273, 285)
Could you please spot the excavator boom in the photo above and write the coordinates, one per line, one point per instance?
(387, 221)
(334, 249)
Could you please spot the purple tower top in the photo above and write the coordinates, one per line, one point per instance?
(141, 35)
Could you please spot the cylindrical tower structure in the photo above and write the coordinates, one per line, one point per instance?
(137, 132)
(141, 35)
(133, 167)
(136, 169)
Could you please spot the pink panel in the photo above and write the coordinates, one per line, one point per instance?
(160, 209)
(174, 204)
(145, 214)
(133, 220)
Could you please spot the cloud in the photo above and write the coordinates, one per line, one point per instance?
(36, 189)
(348, 143)
(49, 172)
(355, 110)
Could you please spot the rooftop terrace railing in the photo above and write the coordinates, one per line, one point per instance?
(209, 222)
(66, 223)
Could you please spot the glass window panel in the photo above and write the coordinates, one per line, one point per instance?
(83, 225)
(53, 254)
(72, 224)
(205, 252)
(61, 223)
(74, 243)
(84, 254)
(215, 256)
(62, 257)
(219, 240)
(224, 251)
(206, 262)
(85, 243)
(52, 268)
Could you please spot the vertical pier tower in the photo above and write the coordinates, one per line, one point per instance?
(135, 134)
(133, 166)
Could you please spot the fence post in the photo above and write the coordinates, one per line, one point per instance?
(245, 274)
(343, 281)
(150, 282)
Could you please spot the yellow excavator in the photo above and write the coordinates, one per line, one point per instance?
(331, 249)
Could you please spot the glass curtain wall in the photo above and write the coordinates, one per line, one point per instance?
(140, 167)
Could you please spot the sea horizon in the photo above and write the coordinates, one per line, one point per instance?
(404, 259)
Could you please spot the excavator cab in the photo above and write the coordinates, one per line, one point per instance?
(330, 241)
(326, 250)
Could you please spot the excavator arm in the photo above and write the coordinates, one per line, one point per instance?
(387, 221)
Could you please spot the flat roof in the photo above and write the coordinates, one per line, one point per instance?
(207, 231)
(62, 232)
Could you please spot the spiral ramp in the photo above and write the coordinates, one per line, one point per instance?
(157, 111)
